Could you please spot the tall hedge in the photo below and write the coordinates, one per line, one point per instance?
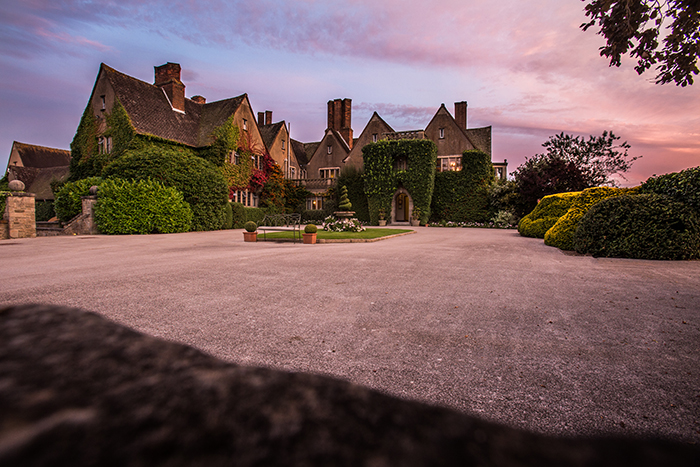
(352, 179)
(646, 226)
(683, 186)
(464, 196)
(140, 207)
(68, 202)
(382, 179)
(561, 235)
(546, 214)
(200, 182)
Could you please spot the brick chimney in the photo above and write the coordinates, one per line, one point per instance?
(461, 114)
(199, 99)
(261, 118)
(168, 79)
(340, 118)
(268, 117)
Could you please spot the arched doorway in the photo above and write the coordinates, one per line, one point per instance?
(401, 207)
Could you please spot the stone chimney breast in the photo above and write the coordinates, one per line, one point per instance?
(199, 99)
(168, 79)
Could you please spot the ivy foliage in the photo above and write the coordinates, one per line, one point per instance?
(226, 139)
(546, 214)
(645, 226)
(464, 196)
(561, 235)
(199, 181)
(273, 192)
(86, 158)
(4, 191)
(382, 179)
(140, 207)
(68, 202)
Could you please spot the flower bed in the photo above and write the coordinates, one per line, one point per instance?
(333, 224)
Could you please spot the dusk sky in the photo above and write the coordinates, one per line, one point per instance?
(524, 67)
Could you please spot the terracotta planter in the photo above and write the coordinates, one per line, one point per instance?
(250, 236)
(309, 238)
(382, 222)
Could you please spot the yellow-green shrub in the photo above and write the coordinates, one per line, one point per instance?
(561, 235)
(546, 214)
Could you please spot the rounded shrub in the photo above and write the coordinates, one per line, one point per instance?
(310, 228)
(561, 235)
(140, 207)
(201, 183)
(546, 214)
(683, 186)
(250, 226)
(647, 226)
(67, 202)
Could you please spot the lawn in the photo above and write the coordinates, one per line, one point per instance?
(323, 235)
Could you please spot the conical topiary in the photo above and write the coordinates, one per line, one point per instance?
(345, 204)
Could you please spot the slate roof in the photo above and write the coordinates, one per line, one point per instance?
(150, 112)
(270, 132)
(38, 180)
(41, 156)
(480, 138)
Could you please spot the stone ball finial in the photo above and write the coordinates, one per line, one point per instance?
(93, 190)
(16, 185)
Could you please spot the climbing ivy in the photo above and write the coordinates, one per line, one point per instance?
(382, 179)
(226, 140)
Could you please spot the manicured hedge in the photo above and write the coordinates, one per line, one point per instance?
(683, 186)
(228, 216)
(646, 226)
(200, 182)
(242, 214)
(561, 235)
(546, 214)
(68, 202)
(140, 207)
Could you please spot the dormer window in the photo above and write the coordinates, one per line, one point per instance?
(442, 133)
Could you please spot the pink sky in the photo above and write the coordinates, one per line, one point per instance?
(524, 67)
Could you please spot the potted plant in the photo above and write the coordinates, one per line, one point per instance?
(310, 234)
(382, 220)
(250, 234)
(415, 216)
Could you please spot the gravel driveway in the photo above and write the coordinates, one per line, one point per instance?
(483, 321)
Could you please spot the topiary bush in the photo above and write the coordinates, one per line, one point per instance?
(683, 186)
(250, 226)
(310, 228)
(67, 202)
(344, 204)
(200, 182)
(646, 226)
(561, 235)
(546, 214)
(140, 207)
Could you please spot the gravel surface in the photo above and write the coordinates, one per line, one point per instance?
(483, 321)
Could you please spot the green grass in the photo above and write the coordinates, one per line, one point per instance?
(322, 234)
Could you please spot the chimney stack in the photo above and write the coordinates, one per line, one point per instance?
(268, 117)
(340, 118)
(461, 114)
(261, 118)
(199, 99)
(168, 79)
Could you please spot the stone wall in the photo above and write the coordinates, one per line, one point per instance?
(4, 230)
(20, 215)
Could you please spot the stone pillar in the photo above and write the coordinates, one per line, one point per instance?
(88, 203)
(21, 219)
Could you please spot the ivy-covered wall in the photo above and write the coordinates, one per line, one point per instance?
(382, 179)
(463, 196)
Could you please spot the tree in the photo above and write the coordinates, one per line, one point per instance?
(571, 164)
(633, 27)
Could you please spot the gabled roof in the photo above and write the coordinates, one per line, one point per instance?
(270, 132)
(480, 138)
(299, 149)
(41, 156)
(38, 180)
(150, 111)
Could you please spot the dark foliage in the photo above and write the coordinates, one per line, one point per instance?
(683, 186)
(44, 210)
(647, 226)
(68, 202)
(351, 178)
(633, 27)
(201, 183)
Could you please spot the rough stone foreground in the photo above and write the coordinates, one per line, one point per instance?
(483, 321)
(76, 389)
